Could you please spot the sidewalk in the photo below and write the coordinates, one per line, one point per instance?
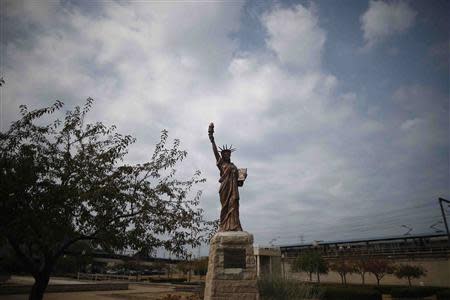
(139, 291)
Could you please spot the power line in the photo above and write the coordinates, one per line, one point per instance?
(390, 220)
(414, 217)
(384, 214)
(360, 230)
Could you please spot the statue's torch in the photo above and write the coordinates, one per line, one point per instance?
(211, 131)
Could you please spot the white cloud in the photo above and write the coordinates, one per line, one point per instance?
(295, 36)
(408, 124)
(156, 65)
(439, 54)
(384, 19)
(424, 117)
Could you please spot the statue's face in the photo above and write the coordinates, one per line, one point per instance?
(226, 156)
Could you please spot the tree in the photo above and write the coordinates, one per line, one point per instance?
(310, 262)
(342, 266)
(200, 266)
(63, 182)
(379, 268)
(77, 259)
(162, 266)
(184, 266)
(359, 266)
(410, 271)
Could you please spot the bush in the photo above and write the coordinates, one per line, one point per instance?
(409, 272)
(286, 289)
(176, 297)
(386, 289)
(443, 294)
(171, 280)
(351, 293)
(200, 266)
(415, 292)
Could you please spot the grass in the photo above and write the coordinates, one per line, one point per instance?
(277, 288)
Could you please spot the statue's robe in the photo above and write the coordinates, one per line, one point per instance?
(229, 197)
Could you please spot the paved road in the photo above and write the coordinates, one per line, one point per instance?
(135, 292)
(29, 280)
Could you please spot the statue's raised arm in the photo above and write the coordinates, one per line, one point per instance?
(211, 138)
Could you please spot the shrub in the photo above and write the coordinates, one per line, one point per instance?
(200, 266)
(443, 294)
(310, 262)
(414, 292)
(359, 266)
(409, 272)
(171, 280)
(176, 297)
(379, 268)
(351, 293)
(277, 288)
(342, 266)
(386, 289)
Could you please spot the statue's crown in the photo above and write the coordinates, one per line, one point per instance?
(226, 148)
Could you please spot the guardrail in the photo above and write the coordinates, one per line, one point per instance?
(101, 277)
(417, 252)
(134, 278)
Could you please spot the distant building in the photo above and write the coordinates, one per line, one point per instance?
(432, 251)
(268, 260)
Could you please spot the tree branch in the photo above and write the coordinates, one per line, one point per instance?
(28, 262)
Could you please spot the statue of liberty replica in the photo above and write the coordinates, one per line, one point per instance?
(230, 179)
(231, 266)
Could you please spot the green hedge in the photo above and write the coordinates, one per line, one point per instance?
(351, 293)
(282, 289)
(276, 288)
(413, 292)
(171, 280)
(443, 294)
(387, 289)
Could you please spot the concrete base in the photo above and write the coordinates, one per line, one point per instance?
(231, 283)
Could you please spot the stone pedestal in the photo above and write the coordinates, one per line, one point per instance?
(231, 267)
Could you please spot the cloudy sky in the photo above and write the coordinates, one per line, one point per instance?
(339, 109)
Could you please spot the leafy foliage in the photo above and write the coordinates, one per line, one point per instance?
(342, 266)
(413, 292)
(379, 268)
(184, 266)
(177, 297)
(200, 266)
(443, 294)
(66, 181)
(277, 288)
(351, 292)
(77, 259)
(359, 266)
(409, 272)
(310, 262)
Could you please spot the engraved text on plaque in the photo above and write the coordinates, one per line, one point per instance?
(234, 258)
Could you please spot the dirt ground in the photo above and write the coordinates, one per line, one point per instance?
(135, 292)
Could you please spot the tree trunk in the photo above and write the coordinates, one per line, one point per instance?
(378, 280)
(39, 286)
(345, 279)
(363, 279)
(310, 276)
(342, 278)
(409, 281)
(318, 277)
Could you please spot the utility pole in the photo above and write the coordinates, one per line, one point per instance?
(441, 200)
